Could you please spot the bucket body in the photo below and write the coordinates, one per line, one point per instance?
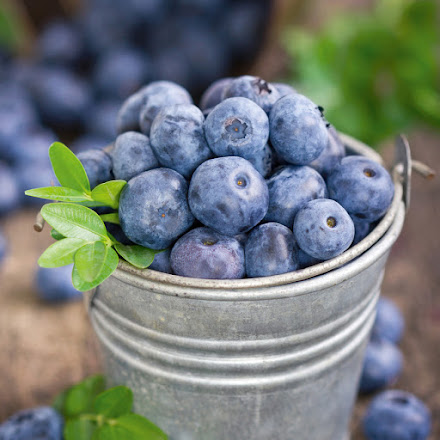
(213, 363)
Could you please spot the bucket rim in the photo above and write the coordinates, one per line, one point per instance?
(394, 217)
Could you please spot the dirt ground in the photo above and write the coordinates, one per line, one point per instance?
(45, 347)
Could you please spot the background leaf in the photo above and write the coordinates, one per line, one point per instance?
(109, 266)
(90, 259)
(75, 221)
(79, 429)
(136, 255)
(79, 398)
(67, 168)
(61, 253)
(109, 193)
(59, 193)
(114, 402)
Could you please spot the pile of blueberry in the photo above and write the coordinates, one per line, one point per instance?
(253, 183)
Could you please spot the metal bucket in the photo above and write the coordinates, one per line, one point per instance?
(256, 359)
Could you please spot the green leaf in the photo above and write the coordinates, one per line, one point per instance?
(140, 428)
(61, 253)
(56, 235)
(79, 429)
(109, 193)
(110, 264)
(90, 259)
(75, 221)
(79, 399)
(113, 217)
(59, 193)
(139, 256)
(114, 402)
(67, 168)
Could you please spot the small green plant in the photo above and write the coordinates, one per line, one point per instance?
(93, 413)
(376, 74)
(81, 235)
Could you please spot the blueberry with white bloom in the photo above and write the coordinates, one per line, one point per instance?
(389, 322)
(98, 166)
(297, 131)
(55, 284)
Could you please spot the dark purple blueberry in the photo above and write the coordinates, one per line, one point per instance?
(237, 127)
(361, 229)
(178, 139)
(306, 260)
(132, 155)
(55, 284)
(290, 188)
(331, 156)
(98, 166)
(213, 94)
(254, 88)
(60, 43)
(204, 253)
(161, 262)
(128, 115)
(297, 130)
(113, 229)
(10, 191)
(31, 175)
(156, 95)
(153, 208)
(263, 160)
(363, 187)
(389, 322)
(397, 415)
(270, 250)
(323, 229)
(382, 366)
(41, 423)
(120, 72)
(228, 195)
(284, 89)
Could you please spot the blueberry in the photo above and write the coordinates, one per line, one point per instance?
(156, 95)
(153, 208)
(101, 119)
(284, 89)
(3, 246)
(270, 250)
(128, 115)
(363, 187)
(89, 142)
(204, 253)
(306, 260)
(331, 156)
(178, 138)
(290, 188)
(297, 130)
(382, 365)
(132, 155)
(61, 97)
(228, 195)
(161, 262)
(213, 94)
(35, 174)
(256, 89)
(98, 166)
(397, 415)
(237, 127)
(389, 322)
(32, 146)
(55, 284)
(60, 43)
(41, 423)
(113, 229)
(323, 229)
(262, 160)
(361, 229)
(120, 72)
(10, 193)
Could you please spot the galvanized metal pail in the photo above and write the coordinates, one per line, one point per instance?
(256, 359)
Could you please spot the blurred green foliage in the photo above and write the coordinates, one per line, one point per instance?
(376, 73)
(11, 32)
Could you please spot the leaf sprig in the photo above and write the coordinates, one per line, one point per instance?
(93, 413)
(81, 235)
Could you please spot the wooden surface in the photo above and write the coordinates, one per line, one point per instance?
(46, 348)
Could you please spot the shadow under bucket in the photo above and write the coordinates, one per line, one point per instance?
(256, 359)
